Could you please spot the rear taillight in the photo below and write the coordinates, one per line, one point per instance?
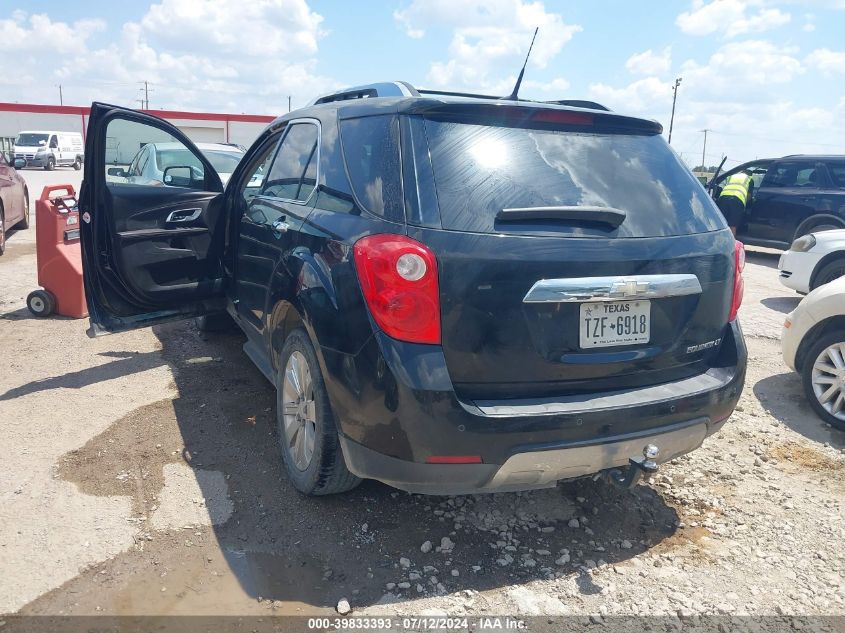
(398, 276)
(563, 116)
(739, 284)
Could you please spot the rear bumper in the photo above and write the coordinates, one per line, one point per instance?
(525, 470)
(395, 409)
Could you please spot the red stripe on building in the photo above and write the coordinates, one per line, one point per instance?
(167, 114)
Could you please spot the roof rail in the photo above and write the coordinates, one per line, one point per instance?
(404, 89)
(382, 89)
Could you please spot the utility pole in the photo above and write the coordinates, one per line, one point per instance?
(145, 102)
(704, 149)
(288, 103)
(61, 99)
(674, 99)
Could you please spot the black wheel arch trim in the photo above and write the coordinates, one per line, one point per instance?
(831, 324)
(824, 261)
(813, 220)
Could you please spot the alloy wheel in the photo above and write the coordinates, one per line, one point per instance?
(828, 380)
(299, 411)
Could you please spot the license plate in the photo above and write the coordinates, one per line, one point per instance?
(609, 323)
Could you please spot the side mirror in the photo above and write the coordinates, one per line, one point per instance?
(118, 172)
(19, 163)
(182, 176)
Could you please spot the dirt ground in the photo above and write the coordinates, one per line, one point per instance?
(141, 476)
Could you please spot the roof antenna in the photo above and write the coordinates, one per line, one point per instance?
(513, 96)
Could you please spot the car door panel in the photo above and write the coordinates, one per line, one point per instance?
(785, 199)
(140, 266)
(268, 223)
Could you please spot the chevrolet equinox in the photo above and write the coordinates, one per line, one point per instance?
(451, 293)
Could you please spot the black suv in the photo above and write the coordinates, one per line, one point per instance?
(792, 196)
(451, 294)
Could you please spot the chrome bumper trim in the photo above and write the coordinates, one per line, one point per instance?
(544, 468)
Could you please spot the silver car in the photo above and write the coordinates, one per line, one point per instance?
(149, 164)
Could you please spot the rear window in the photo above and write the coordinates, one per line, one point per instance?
(480, 170)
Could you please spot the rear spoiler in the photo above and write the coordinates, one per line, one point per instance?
(530, 115)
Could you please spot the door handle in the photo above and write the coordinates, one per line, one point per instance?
(183, 215)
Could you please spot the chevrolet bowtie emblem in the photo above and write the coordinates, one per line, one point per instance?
(629, 288)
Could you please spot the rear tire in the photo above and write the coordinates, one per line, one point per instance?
(818, 382)
(41, 303)
(77, 164)
(307, 434)
(24, 224)
(829, 272)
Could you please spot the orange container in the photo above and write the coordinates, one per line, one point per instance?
(59, 255)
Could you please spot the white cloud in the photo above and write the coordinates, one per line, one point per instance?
(743, 69)
(486, 36)
(196, 55)
(741, 94)
(650, 63)
(730, 17)
(827, 61)
(255, 28)
(24, 32)
(648, 95)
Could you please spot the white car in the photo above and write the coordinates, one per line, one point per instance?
(813, 344)
(813, 260)
(148, 165)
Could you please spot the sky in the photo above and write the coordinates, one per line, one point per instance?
(765, 77)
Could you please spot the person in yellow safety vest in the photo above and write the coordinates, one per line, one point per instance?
(736, 193)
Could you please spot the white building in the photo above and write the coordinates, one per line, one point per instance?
(200, 127)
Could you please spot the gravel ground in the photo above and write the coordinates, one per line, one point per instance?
(141, 476)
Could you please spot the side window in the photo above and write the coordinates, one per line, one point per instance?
(180, 169)
(371, 151)
(294, 170)
(54, 143)
(257, 172)
(793, 175)
(837, 174)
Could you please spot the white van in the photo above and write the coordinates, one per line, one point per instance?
(49, 149)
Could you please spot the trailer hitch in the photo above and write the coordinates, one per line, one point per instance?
(639, 468)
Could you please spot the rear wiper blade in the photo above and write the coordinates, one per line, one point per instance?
(602, 215)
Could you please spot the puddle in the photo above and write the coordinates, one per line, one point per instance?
(229, 582)
(127, 458)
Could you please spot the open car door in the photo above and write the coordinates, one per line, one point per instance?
(151, 245)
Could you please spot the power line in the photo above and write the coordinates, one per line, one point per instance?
(778, 140)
